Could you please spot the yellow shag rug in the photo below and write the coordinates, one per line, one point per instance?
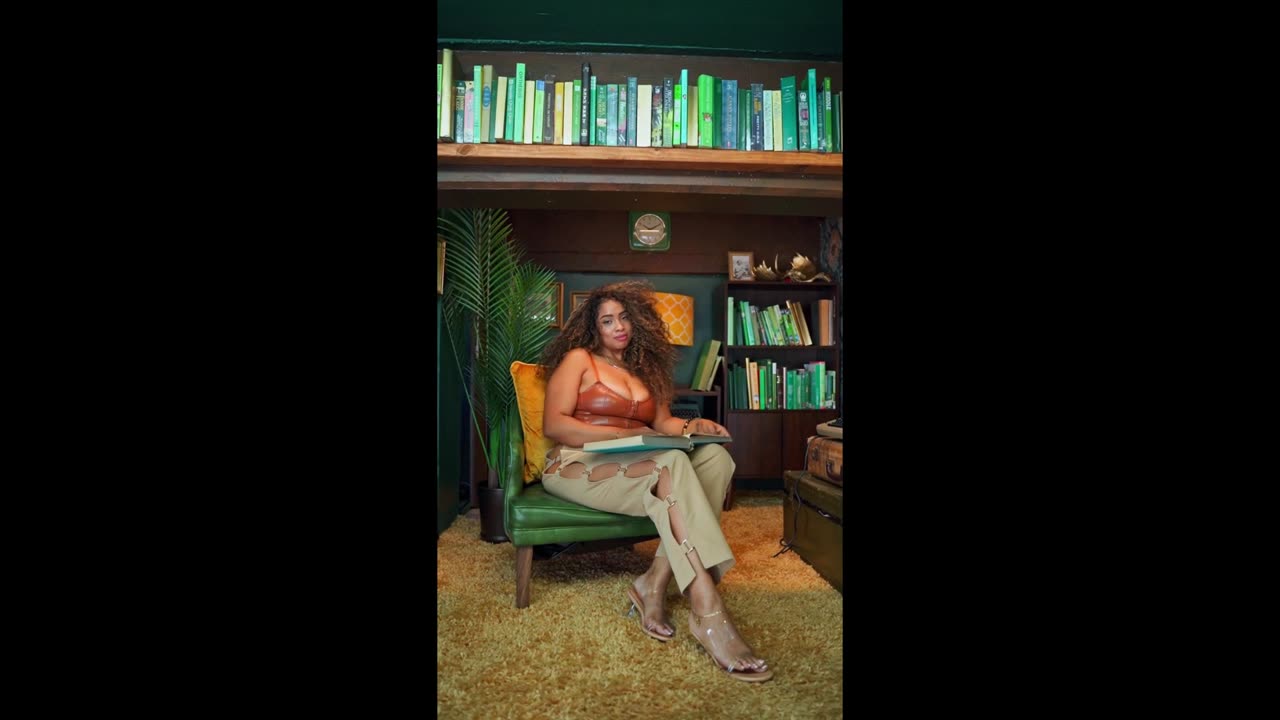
(573, 653)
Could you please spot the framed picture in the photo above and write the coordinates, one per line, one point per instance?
(576, 300)
(740, 264)
(555, 314)
(439, 266)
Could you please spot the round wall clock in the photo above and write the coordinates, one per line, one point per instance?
(650, 230)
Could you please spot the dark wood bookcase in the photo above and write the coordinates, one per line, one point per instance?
(769, 442)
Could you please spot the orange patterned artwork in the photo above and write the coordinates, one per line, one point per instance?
(677, 313)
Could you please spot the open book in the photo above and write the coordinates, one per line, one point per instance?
(653, 442)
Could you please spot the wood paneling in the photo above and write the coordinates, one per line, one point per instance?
(596, 241)
(755, 444)
(797, 427)
(708, 200)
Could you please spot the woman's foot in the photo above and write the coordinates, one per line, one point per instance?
(717, 634)
(650, 597)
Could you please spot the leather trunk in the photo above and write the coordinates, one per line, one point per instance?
(824, 459)
(813, 524)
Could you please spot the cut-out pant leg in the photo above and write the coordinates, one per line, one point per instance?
(635, 496)
(713, 466)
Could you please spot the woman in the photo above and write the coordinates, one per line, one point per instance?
(610, 377)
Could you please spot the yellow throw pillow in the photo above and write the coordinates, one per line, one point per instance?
(531, 398)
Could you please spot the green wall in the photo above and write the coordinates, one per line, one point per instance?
(741, 28)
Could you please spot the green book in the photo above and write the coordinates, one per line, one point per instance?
(705, 105)
(651, 442)
(835, 127)
(826, 103)
(717, 112)
(802, 116)
(789, 113)
(728, 331)
(819, 116)
(709, 367)
(493, 104)
(517, 132)
(677, 108)
(777, 120)
(633, 111)
(697, 366)
(439, 80)
(539, 99)
(668, 109)
(486, 104)
(748, 331)
(602, 115)
(477, 90)
(814, 108)
(744, 118)
(511, 111)
(591, 133)
(576, 126)
(611, 115)
(459, 109)
(622, 116)
(684, 93)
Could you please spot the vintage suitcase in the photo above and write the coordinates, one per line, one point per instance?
(813, 524)
(824, 458)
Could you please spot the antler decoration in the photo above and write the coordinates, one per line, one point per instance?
(764, 272)
(803, 270)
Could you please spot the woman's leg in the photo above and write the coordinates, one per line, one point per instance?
(714, 468)
(698, 554)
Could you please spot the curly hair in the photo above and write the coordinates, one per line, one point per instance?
(649, 356)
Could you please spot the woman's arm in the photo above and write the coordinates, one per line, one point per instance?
(668, 424)
(558, 422)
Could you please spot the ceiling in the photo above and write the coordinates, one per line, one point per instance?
(741, 28)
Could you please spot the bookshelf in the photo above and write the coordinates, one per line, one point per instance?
(768, 442)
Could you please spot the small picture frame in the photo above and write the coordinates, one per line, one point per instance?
(439, 266)
(576, 300)
(740, 266)
(556, 315)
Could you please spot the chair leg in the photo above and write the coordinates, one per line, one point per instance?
(524, 571)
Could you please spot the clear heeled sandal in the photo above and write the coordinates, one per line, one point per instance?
(637, 603)
(716, 641)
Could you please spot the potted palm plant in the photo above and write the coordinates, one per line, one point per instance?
(496, 298)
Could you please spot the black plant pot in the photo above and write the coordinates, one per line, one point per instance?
(491, 508)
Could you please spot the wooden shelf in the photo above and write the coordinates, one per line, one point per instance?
(776, 412)
(782, 347)
(816, 285)
(565, 177)
(638, 158)
(686, 392)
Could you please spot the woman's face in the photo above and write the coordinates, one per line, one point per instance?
(614, 325)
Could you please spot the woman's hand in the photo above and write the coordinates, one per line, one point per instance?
(703, 426)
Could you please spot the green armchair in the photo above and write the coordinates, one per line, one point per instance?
(531, 516)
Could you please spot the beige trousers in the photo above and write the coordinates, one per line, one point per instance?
(699, 481)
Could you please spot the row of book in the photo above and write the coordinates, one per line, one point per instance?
(704, 371)
(784, 324)
(479, 106)
(766, 385)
